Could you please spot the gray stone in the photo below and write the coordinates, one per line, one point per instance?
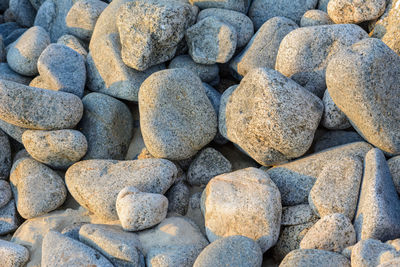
(58, 149)
(73, 43)
(178, 198)
(194, 211)
(363, 81)
(335, 138)
(207, 73)
(394, 167)
(299, 214)
(236, 5)
(7, 28)
(368, 252)
(271, 117)
(107, 124)
(37, 189)
(121, 248)
(59, 250)
(323, 5)
(23, 11)
(350, 11)
(12, 37)
(150, 31)
(9, 218)
(6, 73)
(37, 3)
(222, 110)
(36, 108)
(2, 50)
(13, 131)
(231, 201)
(170, 256)
(5, 193)
(139, 210)
(263, 10)
(378, 211)
(215, 98)
(207, 164)
(263, 48)
(13, 255)
(23, 55)
(315, 17)
(297, 57)
(5, 156)
(230, 251)
(211, 41)
(72, 231)
(333, 118)
(148, 175)
(176, 116)
(314, 257)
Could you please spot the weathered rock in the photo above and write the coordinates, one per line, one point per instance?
(178, 198)
(394, 167)
(6, 73)
(5, 156)
(368, 252)
(295, 215)
(23, 11)
(331, 139)
(315, 17)
(9, 220)
(236, 5)
(333, 118)
(5, 193)
(207, 73)
(314, 257)
(350, 11)
(73, 43)
(12, 255)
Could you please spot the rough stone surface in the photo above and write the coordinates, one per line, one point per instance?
(222, 110)
(394, 167)
(315, 17)
(352, 11)
(207, 73)
(368, 252)
(333, 118)
(13, 131)
(23, 12)
(5, 193)
(73, 43)
(331, 139)
(5, 156)
(178, 198)
(12, 255)
(314, 257)
(6, 73)
(237, 5)
(9, 218)
(299, 214)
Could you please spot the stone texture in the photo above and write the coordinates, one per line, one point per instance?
(315, 17)
(12, 255)
(13, 131)
(351, 11)
(23, 12)
(5, 156)
(6, 73)
(9, 218)
(368, 252)
(333, 118)
(222, 110)
(194, 211)
(394, 167)
(271, 117)
(207, 73)
(299, 59)
(178, 198)
(331, 139)
(148, 175)
(73, 43)
(295, 215)
(5, 193)
(314, 257)
(236, 5)
(176, 116)
(363, 81)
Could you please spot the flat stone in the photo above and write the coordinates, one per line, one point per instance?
(350, 11)
(331, 139)
(207, 73)
(394, 167)
(13, 255)
(73, 43)
(5, 156)
(6, 73)
(315, 17)
(178, 198)
(237, 5)
(314, 257)
(148, 175)
(5, 193)
(368, 252)
(333, 118)
(23, 11)
(299, 214)
(9, 218)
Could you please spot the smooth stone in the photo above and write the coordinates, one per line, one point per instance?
(363, 81)
(176, 117)
(350, 11)
(178, 198)
(331, 139)
(13, 131)
(314, 257)
(107, 124)
(315, 17)
(23, 11)
(9, 218)
(73, 43)
(231, 201)
(298, 59)
(5, 157)
(12, 37)
(12, 255)
(170, 256)
(6, 73)
(368, 252)
(236, 5)
(148, 175)
(38, 108)
(222, 110)
(5, 193)
(58, 149)
(295, 215)
(394, 167)
(37, 188)
(207, 73)
(282, 117)
(378, 211)
(333, 118)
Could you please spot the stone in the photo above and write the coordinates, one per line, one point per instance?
(337, 187)
(242, 24)
(296, 179)
(23, 55)
(332, 232)
(236, 5)
(207, 164)
(323, 5)
(7, 28)
(13, 36)
(36, 188)
(72, 231)
(58, 149)
(38, 108)
(194, 211)
(281, 114)
(176, 116)
(299, 214)
(82, 17)
(13, 131)
(309, 71)
(23, 11)
(368, 252)
(73, 43)
(178, 198)
(215, 97)
(333, 118)
(378, 211)
(107, 125)
(9, 218)
(231, 251)
(263, 10)
(350, 11)
(138, 210)
(211, 41)
(207, 73)
(172, 256)
(149, 36)
(231, 201)
(59, 250)
(315, 17)
(5, 193)
(13, 255)
(37, 3)
(263, 48)
(222, 110)
(363, 82)
(6, 73)
(314, 257)
(5, 157)
(111, 176)
(119, 247)
(331, 139)
(394, 167)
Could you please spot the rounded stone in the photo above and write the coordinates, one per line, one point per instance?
(298, 214)
(330, 139)
(333, 118)
(394, 167)
(237, 5)
(5, 193)
(207, 73)
(314, 257)
(178, 198)
(73, 43)
(353, 11)
(5, 156)
(315, 17)
(12, 255)
(6, 73)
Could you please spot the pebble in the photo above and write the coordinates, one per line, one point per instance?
(37, 3)
(13, 36)
(9, 218)
(222, 110)
(6, 73)
(194, 211)
(331, 139)
(315, 17)
(299, 214)
(314, 257)
(394, 167)
(349, 11)
(333, 118)
(73, 43)
(5, 156)
(24, 13)
(178, 198)
(236, 5)
(368, 252)
(13, 255)
(5, 193)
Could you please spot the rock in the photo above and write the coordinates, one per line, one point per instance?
(262, 50)
(236, 5)
(82, 17)
(228, 251)
(59, 250)
(107, 124)
(176, 116)
(23, 55)
(13, 255)
(72, 231)
(281, 114)
(368, 252)
(5, 193)
(335, 138)
(378, 211)
(37, 188)
(6, 73)
(148, 175)
(178, 198)
(295, 215)
(138, 210)
(211, 41)
(263, 10)
(73, 43)
(7, 28)
(242, 24)
(295, 179)
(194, 211)
(58, 149)
(394, 167)
(9, 219)
(323, 5)
(38, 108)
(119, 247)
(23, 11)
(207, 73)
(222, 110)
(13, 131)
(366, 76)
(314, 257)
(148, 34)
(5, 157)
(333, 232)
(315, 17)
(231, 201)
(350, 11)
(337, 187)
(309, 71)
(37, 3)
(333, 118)
(207, 164)
(172, 256)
